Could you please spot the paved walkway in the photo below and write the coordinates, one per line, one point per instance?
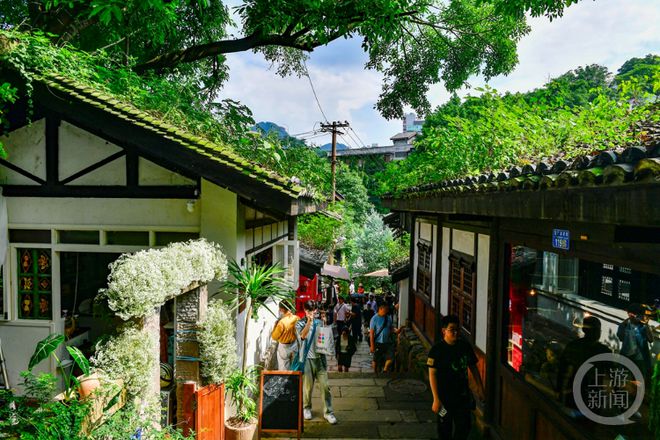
(372, 407)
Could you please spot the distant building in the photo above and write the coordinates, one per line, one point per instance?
(411, 123)
(402, 143)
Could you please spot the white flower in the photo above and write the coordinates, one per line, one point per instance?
(142, 281)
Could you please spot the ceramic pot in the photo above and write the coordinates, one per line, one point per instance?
(242, 432)
(88, 384)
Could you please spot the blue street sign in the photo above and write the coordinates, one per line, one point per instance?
(561, 239)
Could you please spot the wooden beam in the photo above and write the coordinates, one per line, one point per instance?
(132, 169)
(163, 151)
(22, 172)
(52, 150)
(139, 192)
(631, 204)
(93, 167)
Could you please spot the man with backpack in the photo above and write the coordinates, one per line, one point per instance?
(381, 339)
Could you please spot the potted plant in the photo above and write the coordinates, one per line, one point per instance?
(241, 386)
(250, 288)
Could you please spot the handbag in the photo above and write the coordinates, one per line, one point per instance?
(325, 340)
(300, 358)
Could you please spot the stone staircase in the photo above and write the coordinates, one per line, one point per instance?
(370, 406)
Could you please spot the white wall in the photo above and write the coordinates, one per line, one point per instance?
(219, 220)
(26, 148)
(463, 241)
(52, 212)
(434, 261)
(18, 343)
(444, 272)
(404, 300)
(152, 174)
(79, 149)
(483, 258)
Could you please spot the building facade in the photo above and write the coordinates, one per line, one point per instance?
(91, 178)
(529, 259)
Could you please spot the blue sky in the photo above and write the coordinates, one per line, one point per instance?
(606, 32)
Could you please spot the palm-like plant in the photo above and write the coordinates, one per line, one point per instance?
(253, 286)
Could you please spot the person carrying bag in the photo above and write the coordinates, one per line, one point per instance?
(315, 364)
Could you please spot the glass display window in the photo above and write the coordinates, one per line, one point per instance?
(561, 311)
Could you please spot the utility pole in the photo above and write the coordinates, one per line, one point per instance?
(334, 129)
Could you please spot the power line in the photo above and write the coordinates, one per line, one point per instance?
(361, 143)
(353, 139)
(314, 91)
(348, 144)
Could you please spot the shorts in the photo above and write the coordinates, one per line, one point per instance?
(384, 352)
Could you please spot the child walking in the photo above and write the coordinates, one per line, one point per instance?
(345, 348)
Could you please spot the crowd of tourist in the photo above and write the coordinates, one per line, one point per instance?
(356, 318)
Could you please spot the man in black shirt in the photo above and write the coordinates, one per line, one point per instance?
(448, 363)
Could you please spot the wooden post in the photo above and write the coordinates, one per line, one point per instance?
(187, 410)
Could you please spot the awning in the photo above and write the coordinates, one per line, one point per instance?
(378, 273)
(335, 272)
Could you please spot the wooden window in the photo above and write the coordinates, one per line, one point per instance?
(34, 284)
(424, 272)
(615, 282)
(462, 292)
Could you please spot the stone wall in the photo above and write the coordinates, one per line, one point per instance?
(411, 354)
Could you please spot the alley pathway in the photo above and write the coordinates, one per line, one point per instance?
(372, 407)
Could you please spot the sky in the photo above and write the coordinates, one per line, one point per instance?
(606, 32)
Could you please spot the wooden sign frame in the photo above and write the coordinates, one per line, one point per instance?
(300, 404)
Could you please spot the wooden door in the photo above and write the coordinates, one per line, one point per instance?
(210, 413)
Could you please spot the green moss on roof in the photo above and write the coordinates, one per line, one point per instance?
(211, 150)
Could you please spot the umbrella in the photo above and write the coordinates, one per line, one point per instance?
(378, 273)
(335, 272)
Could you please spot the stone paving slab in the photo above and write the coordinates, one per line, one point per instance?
(352, 382)
(341, 430)
(384, 403)
(426, 415)
(408, 430)
(354, 403)
(362, 391)
(378, 415)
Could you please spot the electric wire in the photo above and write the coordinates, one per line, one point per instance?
(361, 143)
(309, 78)
(348, 133)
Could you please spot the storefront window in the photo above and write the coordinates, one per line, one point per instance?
(34, 284)
(562, 311)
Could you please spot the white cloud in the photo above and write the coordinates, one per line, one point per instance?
(606, 32)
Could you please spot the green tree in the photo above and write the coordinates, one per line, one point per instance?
(414, 43)
(641, 71)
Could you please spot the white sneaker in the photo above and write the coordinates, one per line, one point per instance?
(307, 414)
(331, 418)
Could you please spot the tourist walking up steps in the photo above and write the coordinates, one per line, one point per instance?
(341, 312)
(448, 363)
(381, 343)
(355, 321)
(345, 348)
(316, 365)
(284, 333)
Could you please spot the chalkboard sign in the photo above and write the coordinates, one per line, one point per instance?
(280, 402)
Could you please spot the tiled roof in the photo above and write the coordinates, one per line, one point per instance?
(209, 150)
(404, 135)
(622, 166)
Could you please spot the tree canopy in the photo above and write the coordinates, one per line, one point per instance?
(414, 43)
(579, 112)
